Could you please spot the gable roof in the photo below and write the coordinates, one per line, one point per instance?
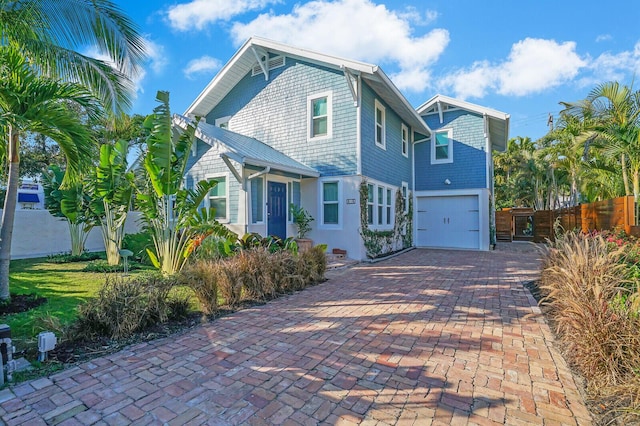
(245, 150)
(244, 60)
(498, 121)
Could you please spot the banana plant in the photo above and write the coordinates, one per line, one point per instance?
(112, 191)
(171, 213)
(69, 202)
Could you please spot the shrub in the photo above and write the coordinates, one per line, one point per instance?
(591, 306)
(69, 258)
(138, 243)
(103, 266)
(124, 306)
(203, 277)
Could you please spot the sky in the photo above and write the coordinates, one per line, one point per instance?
(519, 57)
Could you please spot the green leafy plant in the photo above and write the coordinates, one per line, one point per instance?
(171, 213)
(138, 243)
(103, 266)
(70, 202)
(70, 258)
(301, 219)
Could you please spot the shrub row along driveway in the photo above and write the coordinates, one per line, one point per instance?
(428, 337)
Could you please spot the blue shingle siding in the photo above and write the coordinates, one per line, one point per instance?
(386, 165)
(275, 112)
(468, 169)
(205, 163)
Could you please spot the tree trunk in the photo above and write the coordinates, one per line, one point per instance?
(9, 212)
(625, 175)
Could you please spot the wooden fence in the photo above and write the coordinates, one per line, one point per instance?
(617, 213)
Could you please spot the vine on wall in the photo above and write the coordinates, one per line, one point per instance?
(379, 243)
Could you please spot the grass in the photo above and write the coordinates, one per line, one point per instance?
(64, 285)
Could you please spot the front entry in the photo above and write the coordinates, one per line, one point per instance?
(277, 209)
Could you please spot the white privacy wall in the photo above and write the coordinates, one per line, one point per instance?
(36, 233)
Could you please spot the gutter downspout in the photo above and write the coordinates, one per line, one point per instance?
(490, 182)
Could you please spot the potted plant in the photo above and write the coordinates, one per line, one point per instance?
(302, 220)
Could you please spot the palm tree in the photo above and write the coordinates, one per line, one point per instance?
(50, 34)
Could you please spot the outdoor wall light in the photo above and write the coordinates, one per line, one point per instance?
(447, 182)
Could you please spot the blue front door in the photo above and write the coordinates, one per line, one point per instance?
(277, 209)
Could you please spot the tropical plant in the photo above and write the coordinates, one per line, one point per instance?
(112, 189)
(69, 202)
(49, 34)
(171, 213)
(301, 219)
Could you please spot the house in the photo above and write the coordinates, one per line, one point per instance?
(282, 125)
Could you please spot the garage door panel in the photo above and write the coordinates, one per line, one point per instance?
(448, 221)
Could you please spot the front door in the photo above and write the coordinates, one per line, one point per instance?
(277, 209)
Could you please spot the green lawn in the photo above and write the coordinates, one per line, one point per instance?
(64, 285)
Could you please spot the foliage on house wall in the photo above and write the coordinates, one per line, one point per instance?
(379, 243)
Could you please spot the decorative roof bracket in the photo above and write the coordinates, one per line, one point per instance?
(352, 82)
(264, 64)
(439, 105)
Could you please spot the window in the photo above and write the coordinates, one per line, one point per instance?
(319, 110)
(388, 206)
(218, 197)
(293, 197)
(405, 141)
(330, 205)
(257, 200)
(380, 125)
(442, 147)
(370, 195)
(405, 196)
(223, 122)
(380, 204)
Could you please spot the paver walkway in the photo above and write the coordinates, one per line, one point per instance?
(428, 337)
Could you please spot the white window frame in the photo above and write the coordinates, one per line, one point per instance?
(389, 207)
(380, 205)
(223, 120)
(449, 133)
(404, 136)
(290, 199)
(321, 224)
(371, 197)
(264, 191)
(310, 99)
(382, 143)
(405, 195)
(214, 176)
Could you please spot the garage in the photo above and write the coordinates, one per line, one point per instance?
(451, 221)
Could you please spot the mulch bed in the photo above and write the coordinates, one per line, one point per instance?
(21, 303)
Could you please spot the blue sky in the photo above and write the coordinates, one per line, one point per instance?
(521, 58)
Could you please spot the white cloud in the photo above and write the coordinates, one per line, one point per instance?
(604, 37)
(613, 67)
(157, 59)
(197, 14)
(204, 64)
(356, 29)
(533, 65)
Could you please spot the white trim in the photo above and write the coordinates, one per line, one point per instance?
(321, 224)
(405, 195)
(359, 129)
(213, 176)
(310, 98)
(461, 104)
(449, 159)
(375, 225)
(405, 130)
(383, 143)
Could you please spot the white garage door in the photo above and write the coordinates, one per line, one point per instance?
(448, 221)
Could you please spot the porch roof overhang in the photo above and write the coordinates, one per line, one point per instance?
(245, 150)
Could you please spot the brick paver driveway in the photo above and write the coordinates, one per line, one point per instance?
(428, 337)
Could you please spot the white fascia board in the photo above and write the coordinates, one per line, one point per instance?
(418, 121)
(284, 168)
(463, 105)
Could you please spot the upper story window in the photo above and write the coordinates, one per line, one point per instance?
(223, 122)
(405, 140)
(380, 125)
(218, 197)
(319, 108)
(442, 147)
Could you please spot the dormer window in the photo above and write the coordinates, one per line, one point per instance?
(442, 147)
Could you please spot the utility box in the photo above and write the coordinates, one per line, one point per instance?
(5, 339)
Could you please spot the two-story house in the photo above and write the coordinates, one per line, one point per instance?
(282, 125)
